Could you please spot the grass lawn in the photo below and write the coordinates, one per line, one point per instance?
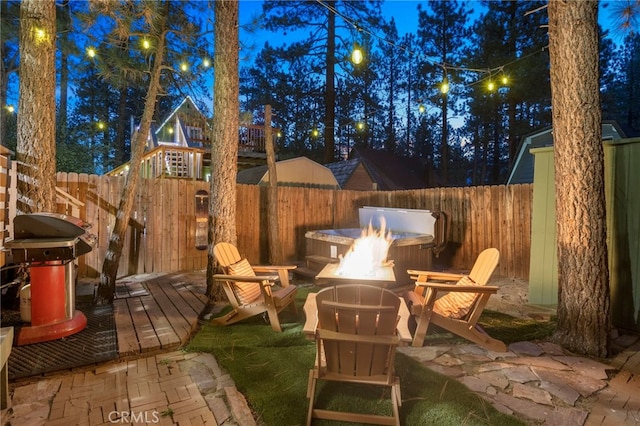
(271, 369)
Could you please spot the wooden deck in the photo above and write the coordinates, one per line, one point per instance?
(156, 312)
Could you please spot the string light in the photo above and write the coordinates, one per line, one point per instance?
(146, 44)
(91, 52)
(488, 71)
(444, 87)
(40, 34)
(357, 56)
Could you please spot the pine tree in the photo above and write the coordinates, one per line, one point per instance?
(226, 121)
(36, 145)
(583, 280)
(442, 34)
(320, 18)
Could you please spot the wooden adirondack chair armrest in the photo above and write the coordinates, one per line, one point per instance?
(272, 268)
(431, 275)
(282, 271)
(459, 288)
(310, 309)
(271, 279)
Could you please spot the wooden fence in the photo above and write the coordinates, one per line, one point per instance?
(161, 235)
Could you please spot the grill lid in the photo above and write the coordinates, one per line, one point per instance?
(48, 225)
(35, 232)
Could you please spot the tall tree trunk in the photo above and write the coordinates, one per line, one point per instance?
(122, 126)
(330, 93)
(36, 148)
(583, 286)
(224, 145)
(107, 285)
(275, 245)
(444, 142)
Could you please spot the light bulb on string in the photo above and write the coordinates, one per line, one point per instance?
(357, 54)
(444, 87)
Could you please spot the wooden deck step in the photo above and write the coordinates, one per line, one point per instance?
(321, 260)
(164, 316)
(304, 272)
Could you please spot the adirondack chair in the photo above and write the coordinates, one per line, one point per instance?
(250, 293)
(457, 311)
(356, 343)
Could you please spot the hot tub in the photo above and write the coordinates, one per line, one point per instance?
(409, 249)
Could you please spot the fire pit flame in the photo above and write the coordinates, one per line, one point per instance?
(368, 253)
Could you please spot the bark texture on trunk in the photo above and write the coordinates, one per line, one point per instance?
(36, 126)
(583, 299)
(275, 246)
(224, 141)
(330, 94)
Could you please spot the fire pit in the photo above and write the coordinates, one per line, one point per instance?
(415, 235)
(49, 243)
(382, 276)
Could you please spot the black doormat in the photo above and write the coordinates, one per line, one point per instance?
(96, 343)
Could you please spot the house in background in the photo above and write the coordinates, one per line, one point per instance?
(180, 147)
(299, 171)
(376, 170)
(522, 170)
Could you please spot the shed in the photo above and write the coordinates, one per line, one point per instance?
(623, 231)
(522, 169)
(299, 171)
(352, 175)
(371, 169)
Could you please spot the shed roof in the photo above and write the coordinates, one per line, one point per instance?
(522, 169)
(299, 171)
(390, 171)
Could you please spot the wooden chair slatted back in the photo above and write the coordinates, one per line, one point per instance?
(226, 254)
(352, 311)
(484, 266)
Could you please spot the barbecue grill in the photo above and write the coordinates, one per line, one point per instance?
(49, 243)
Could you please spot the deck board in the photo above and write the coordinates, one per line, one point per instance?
(171, 313)
(155, 312)
(126, 334)
(162, 324)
